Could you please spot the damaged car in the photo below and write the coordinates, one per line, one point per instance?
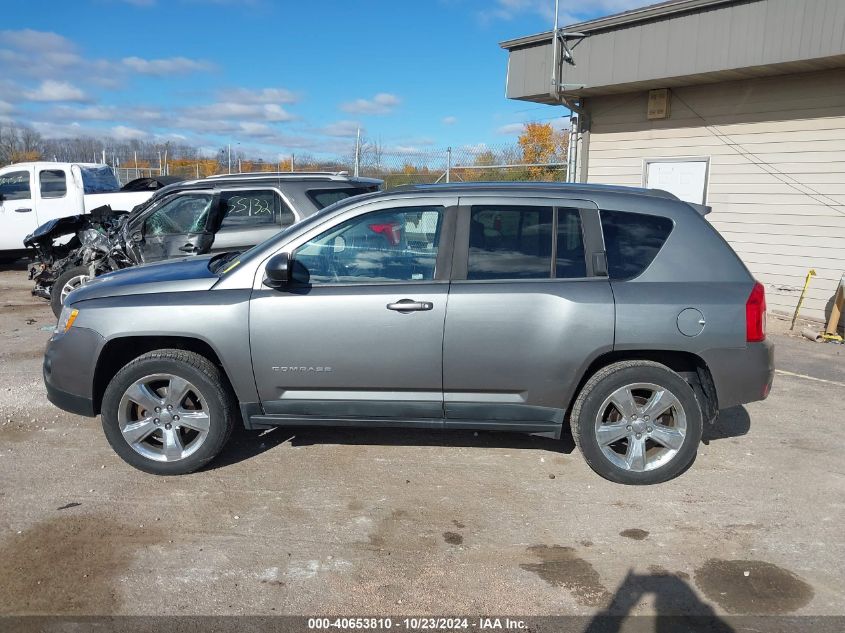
(216, 214)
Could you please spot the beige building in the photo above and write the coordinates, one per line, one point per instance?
(739, 104)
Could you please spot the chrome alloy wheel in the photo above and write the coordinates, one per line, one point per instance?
(163, 417)
(72, 284)
(640, 427)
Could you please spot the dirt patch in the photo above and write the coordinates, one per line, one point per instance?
(13, 432)
(68, 565)
(561, 567)
(751, 586)
(458, 524)
(388, 528)
(453, 538)
(634, 533)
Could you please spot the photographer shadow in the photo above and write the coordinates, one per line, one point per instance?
(677, 607)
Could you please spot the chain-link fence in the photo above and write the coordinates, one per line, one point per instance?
(398, 166)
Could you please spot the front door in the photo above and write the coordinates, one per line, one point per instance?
(358, 334)
(179, 226)
(529, 307)
(17, 209)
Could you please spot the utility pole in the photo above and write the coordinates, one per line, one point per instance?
(448, 164)
(229, 146)
(292, 159)
(104, 156)
(357, 151)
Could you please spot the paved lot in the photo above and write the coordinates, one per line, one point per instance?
(395, 522)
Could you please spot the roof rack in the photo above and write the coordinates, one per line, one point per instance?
(285, 174)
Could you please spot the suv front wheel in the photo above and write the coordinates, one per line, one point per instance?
(637, 422)
(168, 412)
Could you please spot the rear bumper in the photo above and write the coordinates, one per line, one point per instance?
(68, 370)
(742, 375)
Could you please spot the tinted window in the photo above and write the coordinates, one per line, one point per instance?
(569, 261)
(53, 183)
(632, 241)
(180, 214)
(15, 185)
(324, 197)
(510, 242)
(247, 209)
(392, 245)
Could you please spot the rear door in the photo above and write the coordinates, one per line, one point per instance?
(53, 200)
(180, 225)
(529, 307)
(250, 216)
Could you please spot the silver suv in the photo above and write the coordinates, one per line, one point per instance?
(618, 312)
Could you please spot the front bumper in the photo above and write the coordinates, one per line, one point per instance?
(742, 375)
(69, 363)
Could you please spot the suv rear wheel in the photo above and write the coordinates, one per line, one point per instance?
(168, 412)
(637, 422)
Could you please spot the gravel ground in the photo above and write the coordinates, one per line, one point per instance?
(411, 522)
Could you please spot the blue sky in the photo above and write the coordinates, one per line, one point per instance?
(276, 77)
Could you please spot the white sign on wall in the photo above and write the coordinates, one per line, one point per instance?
(687, 179)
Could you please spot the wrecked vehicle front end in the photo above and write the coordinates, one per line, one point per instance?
(94, 241)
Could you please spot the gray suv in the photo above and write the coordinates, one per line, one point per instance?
(618, 312)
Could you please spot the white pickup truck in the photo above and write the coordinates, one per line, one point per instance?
(33, 193)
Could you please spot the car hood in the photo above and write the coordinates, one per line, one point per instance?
(176, 275)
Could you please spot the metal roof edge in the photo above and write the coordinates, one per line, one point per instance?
(633, 16)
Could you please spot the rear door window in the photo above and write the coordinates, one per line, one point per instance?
(262, 208)
(632, 241)
(510, 242)
(53, 183)
(182, 214)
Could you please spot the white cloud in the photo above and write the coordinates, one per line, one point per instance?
(167, 66)
(342, 129)
(6, 107)
(382, 103)
(125, 133)
(511, 128)
(52, 90)
(449, 120)
(260, 95)
(250, 111)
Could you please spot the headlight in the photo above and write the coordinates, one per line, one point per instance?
(66, 319)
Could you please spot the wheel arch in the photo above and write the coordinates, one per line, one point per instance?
(118, 351)
(689, 366)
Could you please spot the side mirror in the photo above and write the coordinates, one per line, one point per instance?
(137, 237)
(277, 271)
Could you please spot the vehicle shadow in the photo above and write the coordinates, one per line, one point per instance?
(677, 607)
(246, 444)
(17, 264)
(733, 422)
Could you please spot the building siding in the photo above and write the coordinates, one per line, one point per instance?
(776, 183)
(747, 34)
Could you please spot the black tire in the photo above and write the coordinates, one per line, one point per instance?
(61, 280)
(600, 387)
(213, 387)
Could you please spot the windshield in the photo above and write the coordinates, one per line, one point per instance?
(99, 180)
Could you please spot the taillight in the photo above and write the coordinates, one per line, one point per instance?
(755, 314)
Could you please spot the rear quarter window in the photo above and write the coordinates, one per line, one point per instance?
(632, 241)
(324, 197)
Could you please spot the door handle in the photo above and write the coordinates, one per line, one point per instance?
(188, 248)
(23, 210)
(409, 305)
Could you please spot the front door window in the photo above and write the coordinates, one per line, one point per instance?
(392, 245)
